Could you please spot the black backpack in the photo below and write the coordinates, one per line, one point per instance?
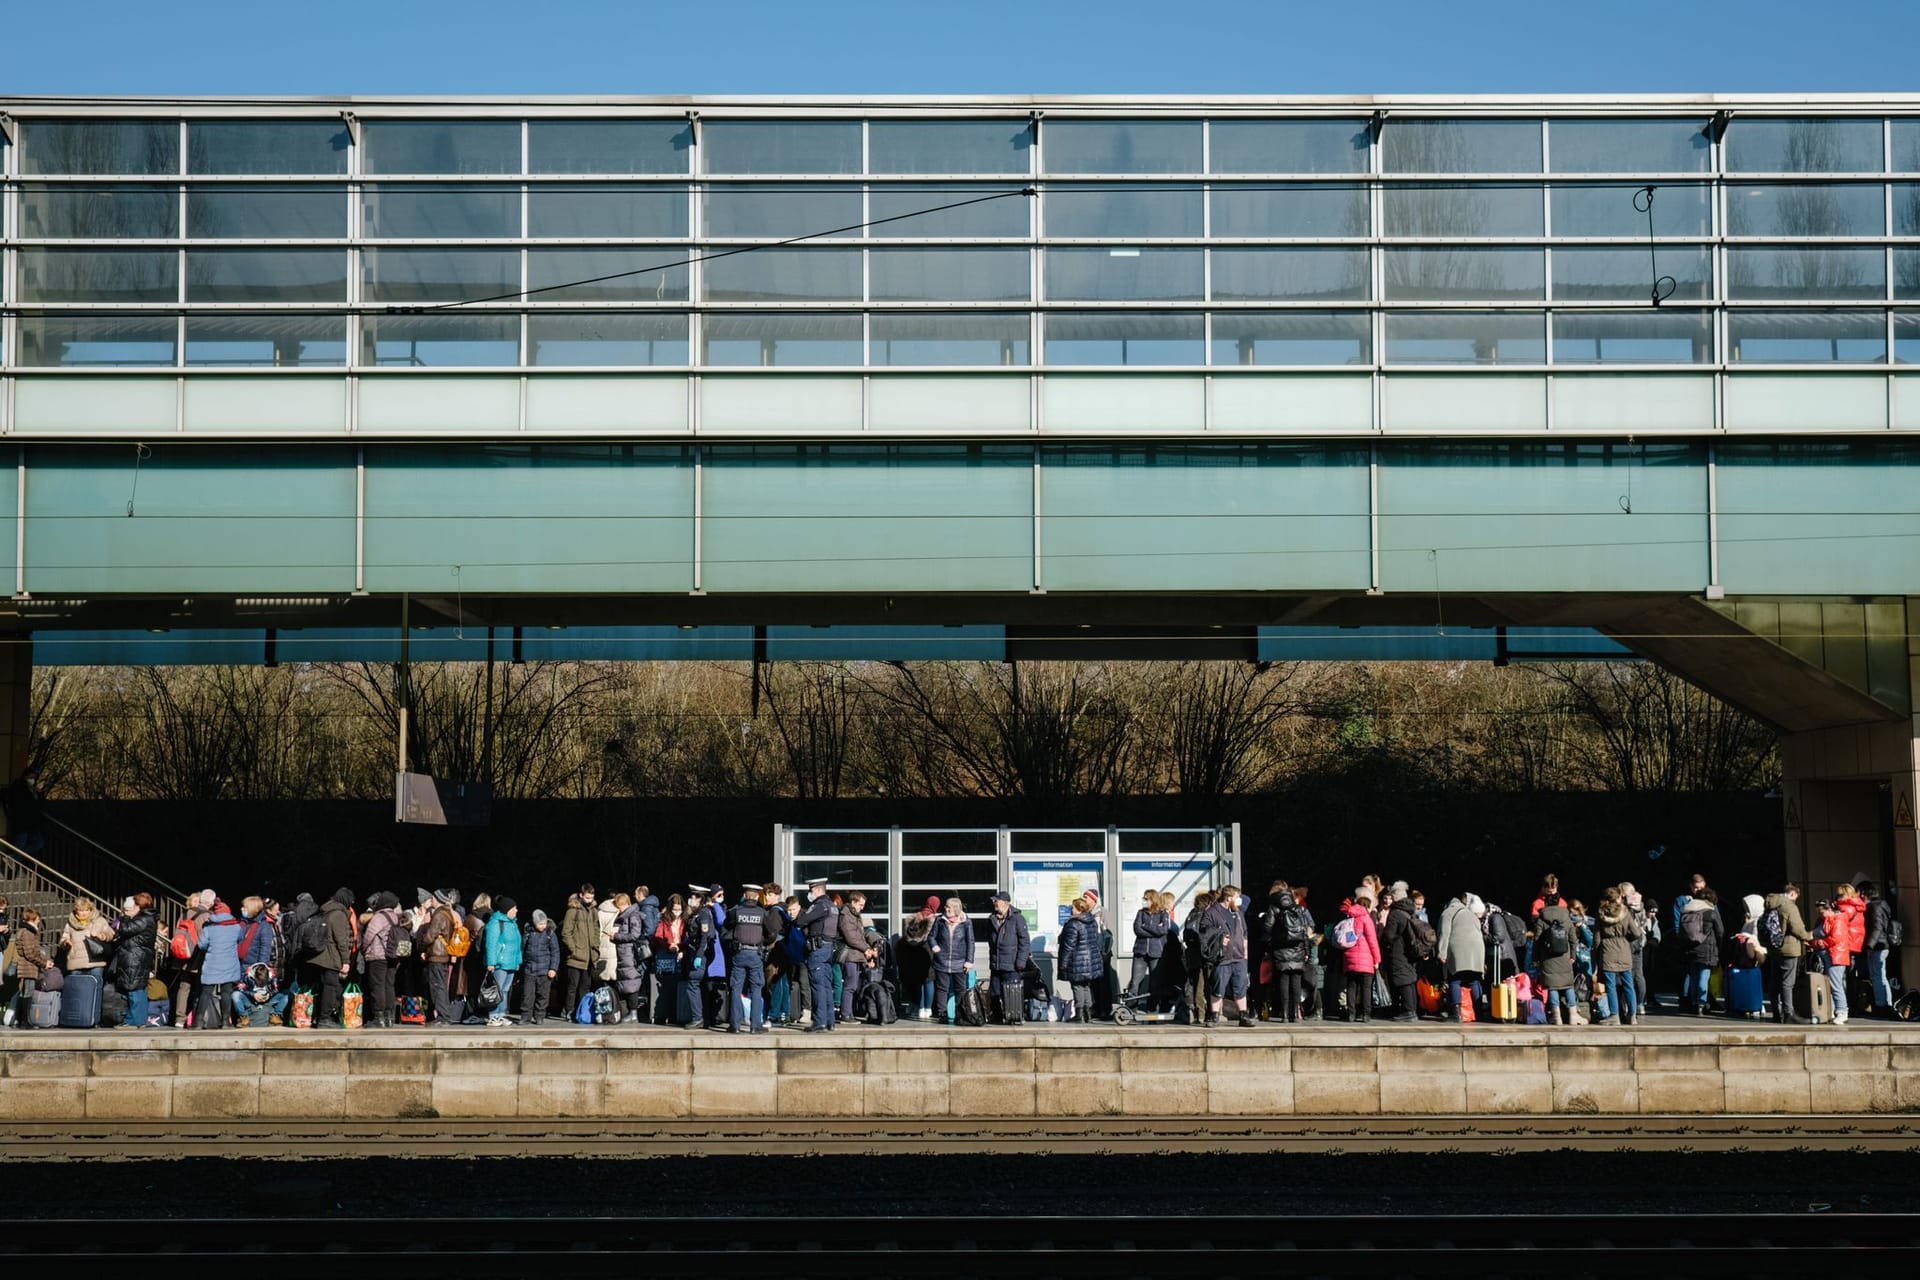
(1773, 929)
(1293, 927)
(877, 1005)
(971, 1007)
(312, 938)
(1553, 941)
(1213, 943)
(1423, 937)
(1693, 926)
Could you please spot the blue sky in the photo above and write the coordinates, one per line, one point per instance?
(982, 46)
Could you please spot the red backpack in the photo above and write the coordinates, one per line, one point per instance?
(185, 939)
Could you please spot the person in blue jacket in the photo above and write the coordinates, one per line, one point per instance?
(503, 951)
(1009, 952)
(220, 939)
(951, 946)
(540, 961)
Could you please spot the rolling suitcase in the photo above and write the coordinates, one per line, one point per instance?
(44, 1012)
(1506, 1002)
(80, 1002)
(1817, 995)
(1745, 991)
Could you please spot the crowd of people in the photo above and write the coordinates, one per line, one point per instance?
(814, 959)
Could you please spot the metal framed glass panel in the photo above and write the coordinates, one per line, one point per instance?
(266, 340)
(1122, 146)
(99, 146)
(1906, 273)
(780, 146)
(785, 275)
(609, 146)
(264, 211)
(1806, 337)
(901, 211)
(1466, 337)
(1292, 338)
(1464, 275)
(1460, 146)
(597, 338)
(1593, 274)
(770, 211)
(1294, 212)
(439, 211)
(266, 275)
(1904, 132)
(99, 275)
(68, 340)
(967, 338)
(1453, 212)
(1633, 337)
(1906, 337)
(1115, 275)
(748, 338)
(1806, 209)
(950, 146)
(437, 275)
(1906, 209)
(1608, 209)
(267, 146)
(1292, 275)
(1756, 144)
(1123, 212)
(1125, 338)
(606, 275)
(949, 275)
(1630, 146)
(563, 211)
(99, 213)
(1289, 146)
(1793, 273)
(440, 146)
(440, 341)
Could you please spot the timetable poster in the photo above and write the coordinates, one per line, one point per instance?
(1044, 890)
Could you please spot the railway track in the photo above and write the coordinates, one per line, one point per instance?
(1041, 1246)
(439, 1139)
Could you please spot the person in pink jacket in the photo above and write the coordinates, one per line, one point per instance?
(1362, 958)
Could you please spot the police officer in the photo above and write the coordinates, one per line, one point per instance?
(820, 921)
(750, 932)
(696, 948)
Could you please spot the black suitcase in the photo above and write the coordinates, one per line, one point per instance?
(80, 1002)
(1013, 1004)
(113, 1007)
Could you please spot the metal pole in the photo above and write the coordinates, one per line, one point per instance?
(403, 678)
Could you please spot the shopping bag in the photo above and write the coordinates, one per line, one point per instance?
(1466, 1004)
(413, 1010)
(1431, 996)
(351, 1003)
(303, 1007)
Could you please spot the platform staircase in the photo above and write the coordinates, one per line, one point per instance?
(72, 864)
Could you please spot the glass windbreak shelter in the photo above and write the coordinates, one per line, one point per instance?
(1045, 869)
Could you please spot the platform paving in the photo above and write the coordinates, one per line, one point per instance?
(1688, 1067)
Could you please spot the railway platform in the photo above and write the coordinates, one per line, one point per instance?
(919, 1073)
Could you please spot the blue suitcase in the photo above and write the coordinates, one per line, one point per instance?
(1745, 992)
(80, 1002)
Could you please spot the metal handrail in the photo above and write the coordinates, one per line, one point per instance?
(50, 882)
(137, 870)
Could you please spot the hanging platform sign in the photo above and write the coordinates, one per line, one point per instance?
(429, 801)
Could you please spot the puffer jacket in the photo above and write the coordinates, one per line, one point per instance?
(1616, 929)
(1556, 972)
(28, 958)
(1833, 937)
(1288, 959)
(1150, 933)
(220, 939)
(1854, 910)
(853, 934)
(1704, 954)
(74, 939)
(376, 940)
(1463, 947)
(630, 942)
(607, 956)
(1364, 955)
(340, 935)
(1398, 943)
(577, 936)
(132, 962)
(502, 948)
(1792, 925)
(430, 940)
(1079, 944)
(1879, 925)
(1009, 947)
(955, 942)
(539, 951)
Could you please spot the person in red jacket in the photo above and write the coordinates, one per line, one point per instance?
(1843, 930)
(1362, 958)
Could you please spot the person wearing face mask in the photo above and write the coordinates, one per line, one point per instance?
(820, 923)
(663, 992)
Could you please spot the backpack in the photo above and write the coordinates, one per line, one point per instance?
(185, 938)
(1213, 944)
(583, 1012)
(602, 1005)
(1424, 939)
(459, 942)
(1693, 926)
(1293, 930)
(876, 1004)
(1896, 934)
(1773, 929)
(1516, 928)
(1552, 942)
(972, 1007)
(312, 939)
(1344, 934)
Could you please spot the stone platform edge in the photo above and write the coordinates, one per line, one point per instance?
(92, 1076)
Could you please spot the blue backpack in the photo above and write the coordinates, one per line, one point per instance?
(583, 1012)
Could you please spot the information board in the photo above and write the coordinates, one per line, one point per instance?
(1044, 890)
(1185, 876)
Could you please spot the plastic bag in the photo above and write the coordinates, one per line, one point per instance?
(351, 1006)
(303, 1008)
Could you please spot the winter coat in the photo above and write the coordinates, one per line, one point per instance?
(376, 938)
(220, 939)
(1617, 930)
(1854, 911)
(606, 952)
(630, 942)
(697, 940)
(952, 944)
(1364, 955)
(340, 935)
(1399, 945)
(1501, 945)
(1879, 925)
(715, 952)
(1463, 948)
(577, 934)
(853, 935)
(649, 908)
(28, 958)
(74, 938)
(1288, 959)
(132, 961)
(1556, 972)
(666, 945)
(1704, 954)
(539, 951)
(259, 940)
(430, 939)
(502, 946)
(1792, 926)
(1149, 932)
(1009, 947)
(1079, 945)
(1833, 937)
